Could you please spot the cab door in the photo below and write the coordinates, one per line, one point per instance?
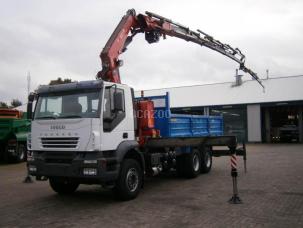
(117, 117)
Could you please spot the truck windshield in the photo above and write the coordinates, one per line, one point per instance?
(68, 105)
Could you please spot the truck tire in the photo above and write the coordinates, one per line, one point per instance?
(5, 154)
(129, 182)
(63, 187)
(189, 165)
(180, 165)
(193, 164)
(206, 160)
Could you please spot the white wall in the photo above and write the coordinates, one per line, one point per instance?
(254, 123)
(250, 92)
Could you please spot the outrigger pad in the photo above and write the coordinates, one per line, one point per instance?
(28, 179)
(235, 199)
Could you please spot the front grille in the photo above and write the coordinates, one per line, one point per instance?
(60, 142)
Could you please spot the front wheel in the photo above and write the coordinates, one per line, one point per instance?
(63, 187)
(130, 180)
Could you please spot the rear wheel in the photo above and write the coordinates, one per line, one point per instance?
(63, 187)
(193, 164)
(206, 160)
(130, 180)
(180, 165)
(189, 165)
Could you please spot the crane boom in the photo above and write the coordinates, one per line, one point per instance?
(154, 26)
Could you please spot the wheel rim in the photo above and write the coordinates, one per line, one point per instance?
(196, 162)
(132, 179)
(207, 159)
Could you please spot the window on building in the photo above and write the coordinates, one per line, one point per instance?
(234, 119)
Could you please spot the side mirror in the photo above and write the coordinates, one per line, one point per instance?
(118, 102)
(31, 98)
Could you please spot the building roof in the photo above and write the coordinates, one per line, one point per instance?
(278, 89)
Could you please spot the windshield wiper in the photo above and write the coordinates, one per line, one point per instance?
(46, 117)
(69, 116)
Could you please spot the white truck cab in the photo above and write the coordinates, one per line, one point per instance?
(82, 117)
(81, 132)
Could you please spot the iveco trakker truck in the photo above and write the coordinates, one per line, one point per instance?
(98, 132)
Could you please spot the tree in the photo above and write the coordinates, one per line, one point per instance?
(3, 105)
(60, 81)
(15, 103)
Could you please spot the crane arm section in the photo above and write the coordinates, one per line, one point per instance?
(155, 26)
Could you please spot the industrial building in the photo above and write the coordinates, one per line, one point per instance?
(254, 115)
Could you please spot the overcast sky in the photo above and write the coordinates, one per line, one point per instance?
(64, 39)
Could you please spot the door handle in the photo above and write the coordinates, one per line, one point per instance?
(125, 135)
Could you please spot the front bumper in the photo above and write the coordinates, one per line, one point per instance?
(71, 165)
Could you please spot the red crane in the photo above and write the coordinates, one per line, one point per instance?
(155, 26)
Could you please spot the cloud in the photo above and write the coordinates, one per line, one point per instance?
(64, 38)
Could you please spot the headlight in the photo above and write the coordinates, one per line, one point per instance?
(32, 169)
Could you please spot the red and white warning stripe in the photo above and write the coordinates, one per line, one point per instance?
(233, 161)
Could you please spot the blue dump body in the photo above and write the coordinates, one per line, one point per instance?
(179, 125)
